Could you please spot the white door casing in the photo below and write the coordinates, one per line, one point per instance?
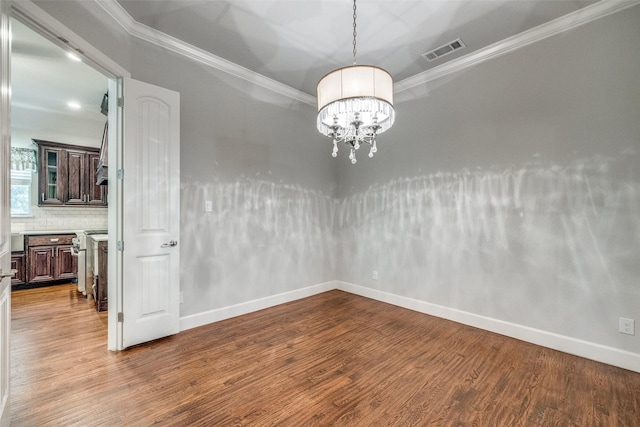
(151, 213)
(5, 210)
(57, 31)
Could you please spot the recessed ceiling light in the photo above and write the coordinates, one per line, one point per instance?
(74, 57)
(74, 105)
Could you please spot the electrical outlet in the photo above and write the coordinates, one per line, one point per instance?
(374, 275)
(208, 206)
(627, 326)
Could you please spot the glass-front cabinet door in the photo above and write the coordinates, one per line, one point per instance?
(51, 188)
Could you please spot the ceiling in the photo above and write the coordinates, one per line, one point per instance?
(298, 42)
(293, 42)
(43, 80)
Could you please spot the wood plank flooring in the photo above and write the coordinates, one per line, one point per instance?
(331, 359)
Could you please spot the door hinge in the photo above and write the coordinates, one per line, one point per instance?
(120, 245)
(120, 173)
(120, 317)
(121, 102)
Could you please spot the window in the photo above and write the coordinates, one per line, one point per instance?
(20, 193)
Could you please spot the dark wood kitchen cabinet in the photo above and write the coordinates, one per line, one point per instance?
(50, 188)
(68, 175)
(76, 180)
(17, 263)
(97, 193)
(102, 287)
(66, 265)
(40, 265)
(49, 258)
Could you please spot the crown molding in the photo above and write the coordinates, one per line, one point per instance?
(148, 34)
(567, 22)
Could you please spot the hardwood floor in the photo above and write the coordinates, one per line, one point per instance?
(331, 359)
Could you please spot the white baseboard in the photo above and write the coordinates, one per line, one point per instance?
(223, 313)
(589, 350)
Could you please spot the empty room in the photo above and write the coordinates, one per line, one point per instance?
(325, 212)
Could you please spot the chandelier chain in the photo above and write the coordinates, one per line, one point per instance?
(355, 33)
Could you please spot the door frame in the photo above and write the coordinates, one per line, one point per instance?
(5, 216)
(39, 20)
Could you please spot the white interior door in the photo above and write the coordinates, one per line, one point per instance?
(5, 211)
(151, 213)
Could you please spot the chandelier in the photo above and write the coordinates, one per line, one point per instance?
(355, 104)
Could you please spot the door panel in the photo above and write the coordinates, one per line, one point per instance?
(75, 168)
(40, 266)
(151, 203)
(66, 264)
(17, 263)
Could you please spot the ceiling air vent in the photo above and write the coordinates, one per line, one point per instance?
(441, 51)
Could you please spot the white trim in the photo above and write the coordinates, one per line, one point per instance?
(589, 350)
(572, 20)
(5, 348)
(115, 216)
(40, 18)
(211, 316)
(5, 220)
(148, 34)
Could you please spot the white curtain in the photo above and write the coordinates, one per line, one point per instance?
(23, 159)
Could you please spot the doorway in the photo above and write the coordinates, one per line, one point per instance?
(54, 32)
(59, 121)
(58, 127)
(149, 117)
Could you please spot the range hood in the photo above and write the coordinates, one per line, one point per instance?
(102, 172)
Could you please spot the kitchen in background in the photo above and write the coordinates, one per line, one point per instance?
(59, 212)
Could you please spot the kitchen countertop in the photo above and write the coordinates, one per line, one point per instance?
(17, 238)
(41, 232)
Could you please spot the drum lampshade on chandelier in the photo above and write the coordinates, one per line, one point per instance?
(355, 104)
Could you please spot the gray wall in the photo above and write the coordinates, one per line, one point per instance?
(509, 190)
(255, 154)
(512, 189)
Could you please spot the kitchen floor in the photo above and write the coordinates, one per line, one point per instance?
(54, 330)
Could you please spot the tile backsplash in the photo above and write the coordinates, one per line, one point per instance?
(49, 218)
